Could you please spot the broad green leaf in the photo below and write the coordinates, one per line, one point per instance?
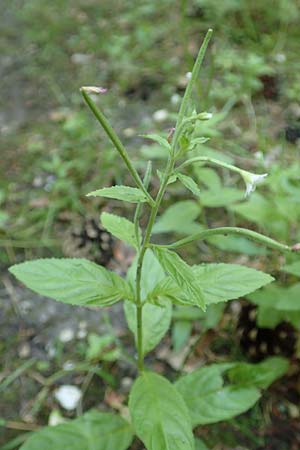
(158, 139)
(124, 193)
(181, 332)
(290, 301)
(259, 375)
(200, 445)
(280, 298)
(179, 218)
(155, 152)
(120, 227)
(222, 282)
(270, 300)
(93, 431)
(188, 313)
(263, 212)
(159, 414)
(207, 176)
(271, 317)
(190, 184)
(156, 319)
(182, 274)
(156, 322)
(237, 244)
(209, 401)
(97, 345)
(205, 150)
(75, 281)
(293, 268)
(223, 197)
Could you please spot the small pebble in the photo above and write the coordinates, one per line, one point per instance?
(81, 334)
(24, 350)
(160, 115)
(129, 132)
(68, 396)
(66, 335)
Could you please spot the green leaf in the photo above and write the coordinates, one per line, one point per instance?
(157, 138)
(121, 228)
(237, 244)
(293, 268)
(207, 176)
(181, 332)
(223, 197)
(124, 193)
(93, 431)
(259, 375)
(190, 184)
(182, 274)
(97, 345)
(222, 282)
(200, 445)
(75, 281)
(209, 401)
(156, 322)
(159, 414)
(152, 273)
(156, 319)
(179, 218)
(280, 298)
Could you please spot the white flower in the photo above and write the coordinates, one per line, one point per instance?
(68, 396)
(251, 180)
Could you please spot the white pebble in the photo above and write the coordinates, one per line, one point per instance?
(175, 99)
(68, 396)
(160, 115)
(66, 335)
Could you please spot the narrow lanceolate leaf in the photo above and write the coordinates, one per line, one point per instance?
(159, 139)
(121, 228)
(74, 281)
(222, 282)
(124, 193)
(190, 184)
(159, 414)
(156, 322)
(209, 401)
(182, 274)
(93, 431)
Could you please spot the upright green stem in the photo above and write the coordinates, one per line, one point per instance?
(145, 244)
(188, 92)
(117, 143)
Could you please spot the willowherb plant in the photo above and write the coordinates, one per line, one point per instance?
(162, 414)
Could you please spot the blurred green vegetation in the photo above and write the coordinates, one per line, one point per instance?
(53, 153)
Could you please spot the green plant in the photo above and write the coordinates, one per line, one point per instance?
(163, 414)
